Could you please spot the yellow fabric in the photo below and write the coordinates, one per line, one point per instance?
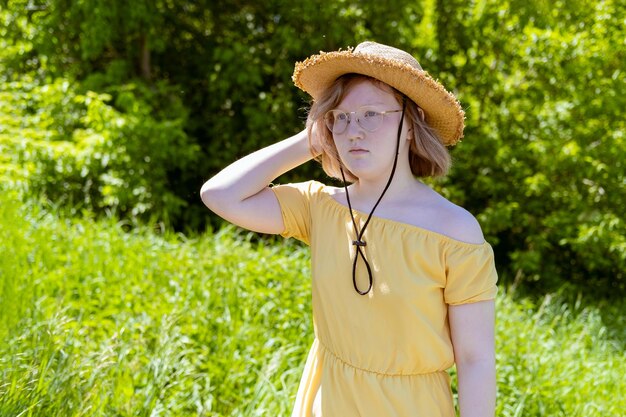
(385, 353)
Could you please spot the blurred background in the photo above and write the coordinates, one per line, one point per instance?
(113, 113)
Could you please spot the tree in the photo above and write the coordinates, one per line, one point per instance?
(199, 84)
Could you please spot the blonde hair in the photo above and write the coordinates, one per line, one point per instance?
(428, 157)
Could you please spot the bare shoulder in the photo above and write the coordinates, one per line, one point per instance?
(458, 223)
(425, 208)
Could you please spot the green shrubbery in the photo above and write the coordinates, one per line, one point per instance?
(130, 108)
(543, 161)
(93, 150)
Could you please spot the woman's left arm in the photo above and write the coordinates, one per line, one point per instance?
(472, 330)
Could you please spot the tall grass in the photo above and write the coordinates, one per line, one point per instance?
(99, 321)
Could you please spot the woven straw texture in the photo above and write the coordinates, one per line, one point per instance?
(394, 67)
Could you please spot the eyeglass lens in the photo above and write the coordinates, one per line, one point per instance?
(337, 120)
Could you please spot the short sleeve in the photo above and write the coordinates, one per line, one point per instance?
(295, 206)
(471, 274)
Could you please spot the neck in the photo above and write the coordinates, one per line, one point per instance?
(368, 190)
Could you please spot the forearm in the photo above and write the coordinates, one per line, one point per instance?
(477, 388)
(254, 172)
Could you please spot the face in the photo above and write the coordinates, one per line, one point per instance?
(370, 154)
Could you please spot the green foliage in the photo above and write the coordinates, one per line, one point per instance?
(127, 107)
(542, 164)
(95, 320)
(78, 38)
(542, 85)
(86, 150)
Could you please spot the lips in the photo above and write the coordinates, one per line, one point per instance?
(358, 150)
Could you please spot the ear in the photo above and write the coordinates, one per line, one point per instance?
(421, 113)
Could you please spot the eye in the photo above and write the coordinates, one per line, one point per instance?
(341, 116)
(370, 113)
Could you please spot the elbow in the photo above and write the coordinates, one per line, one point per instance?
(210, 196)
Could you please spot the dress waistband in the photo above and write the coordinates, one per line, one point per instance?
(336, 357)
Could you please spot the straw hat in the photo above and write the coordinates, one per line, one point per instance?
(395, 68)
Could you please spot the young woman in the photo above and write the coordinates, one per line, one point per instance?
(403, 280)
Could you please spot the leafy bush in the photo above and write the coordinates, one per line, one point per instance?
(542, 85)
(543, 160)
(90, 150)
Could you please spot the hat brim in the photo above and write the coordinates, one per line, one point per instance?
(442, 110)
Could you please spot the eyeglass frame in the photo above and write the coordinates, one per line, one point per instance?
(350, 113)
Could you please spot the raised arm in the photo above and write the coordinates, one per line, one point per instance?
(240, 193)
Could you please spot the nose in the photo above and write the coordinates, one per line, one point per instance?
(354, 130)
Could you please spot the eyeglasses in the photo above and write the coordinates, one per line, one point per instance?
(368, 118)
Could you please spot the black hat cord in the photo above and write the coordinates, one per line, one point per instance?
(359, 242)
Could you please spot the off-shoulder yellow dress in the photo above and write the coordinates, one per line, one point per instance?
(384, 354)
